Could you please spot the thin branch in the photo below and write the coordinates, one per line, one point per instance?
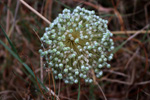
(143, 83)
(101, 90)
(53, 93)
(138, 32)
(117, 73)
(130, 32)
(146, 93)
(133, 56)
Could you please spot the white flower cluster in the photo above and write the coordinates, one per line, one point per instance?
(77, 43)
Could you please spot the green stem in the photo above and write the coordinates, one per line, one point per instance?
(79, 91)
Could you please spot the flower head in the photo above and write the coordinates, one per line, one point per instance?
(77, 43)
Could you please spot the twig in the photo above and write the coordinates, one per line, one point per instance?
(39, 38)
(143, 83)
(132, 58)
(101, 90)
(95, 82)
(117, 73)
(122, 82)
(138, 32)
(139, 56)
(130, 38)
(116, 81)
(130, 32)
(146, 93)
(33, 10)
(53, 93)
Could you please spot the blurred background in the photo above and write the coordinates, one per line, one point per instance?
(20, 29)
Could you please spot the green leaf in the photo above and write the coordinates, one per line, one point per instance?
(12, 46)
(24, 64)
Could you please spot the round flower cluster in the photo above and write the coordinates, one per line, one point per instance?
(77, 44)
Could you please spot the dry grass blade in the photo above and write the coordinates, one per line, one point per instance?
(33, 10)
(8, 17)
